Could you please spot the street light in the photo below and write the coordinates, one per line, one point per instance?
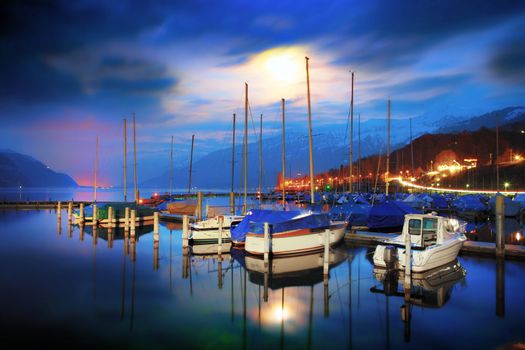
(506, 184)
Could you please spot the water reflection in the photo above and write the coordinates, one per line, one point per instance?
(486, 231)
(159, 292)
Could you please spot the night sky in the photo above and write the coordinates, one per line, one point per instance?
(72, 70)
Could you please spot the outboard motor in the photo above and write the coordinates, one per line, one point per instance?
(390, 282)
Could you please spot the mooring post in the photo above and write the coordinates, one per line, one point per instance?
(326, 255)
(266, 275)
(232, 203)
(219, 271)
(110, 217)
(500, 226)
(266, 242)
(206, 211)
(126, 220)
(408, 256)
(185, 224)
(219, 238)
(199, 205)
(69, 211)
(133, 223)
(59, 210)
(81, 232)
(156, 225)
(95, 215)
(81, 213)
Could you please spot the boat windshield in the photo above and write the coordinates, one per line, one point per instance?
(414, 227)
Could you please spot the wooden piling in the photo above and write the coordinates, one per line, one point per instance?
(185, 224)
(408, 256)
(326, 297)
(206, 211)
(199, 205)
(326, 255)
(126, 219)
(59, 210)
(133, 223)
(219, 238)
(266, 242)
(500, 226)
(95, 215)
(156, 225)
(81, 232)
(81, 213)
(110, 217)
(69, 211)
(156, 255)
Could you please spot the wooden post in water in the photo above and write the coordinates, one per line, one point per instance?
(266, 242)
(156, 226)
(206, 211)
(191, 162)
(199, 205)
(133, 223)
(260, 163)
(110, 217)
(350, 165)
(95, 215)
(81, 213)
(310, 141)
(500, 226)
(185, 224)
(408, 258)
(219, 238)
(69, 212)
(245, 149)
(326, 297)
(233, 154)
(81, 232)
(156, 254)
(387, 174)
(283, 156)
(326, 255)
(126, 220)
(59, 210)
(125, 162)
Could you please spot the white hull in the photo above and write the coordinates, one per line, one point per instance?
(294, 242)
(209, 235)
(211, 250)
(423, 260)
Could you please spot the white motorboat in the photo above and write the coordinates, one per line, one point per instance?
(435, 241)
(208, 230)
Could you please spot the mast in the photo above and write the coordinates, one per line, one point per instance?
(135, 160)
(171, 167)
(125, 162)
(245, 155)
(95, 174)
(350, 165)
(359, 155)
(260, 161)
(233, 152)
(411, 151)
(497, 153)
(312, 200)
(284, 156)
(387, 174)
(191, 161)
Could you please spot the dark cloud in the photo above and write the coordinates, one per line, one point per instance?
(508, 61)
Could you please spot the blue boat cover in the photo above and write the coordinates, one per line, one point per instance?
(389, 214)
(356, 214)
(280, 221)
(439, 202)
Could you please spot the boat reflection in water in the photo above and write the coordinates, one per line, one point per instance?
(429, 289)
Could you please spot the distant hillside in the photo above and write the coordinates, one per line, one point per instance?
(331, 149)
(21, 170)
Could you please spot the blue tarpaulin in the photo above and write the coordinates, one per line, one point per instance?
(389, 214)
(260, 216)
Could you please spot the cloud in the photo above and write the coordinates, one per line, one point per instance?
(508, 61)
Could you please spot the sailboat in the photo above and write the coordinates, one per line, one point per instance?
(292, 232)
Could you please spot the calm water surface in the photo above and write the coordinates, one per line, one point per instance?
(64, 287)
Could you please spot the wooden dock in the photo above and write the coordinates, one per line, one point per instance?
(37, 205)
(488, 249)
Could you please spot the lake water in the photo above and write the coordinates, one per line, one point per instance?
(63, 287)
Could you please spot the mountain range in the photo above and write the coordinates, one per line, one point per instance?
(331, 149)
(22, 170)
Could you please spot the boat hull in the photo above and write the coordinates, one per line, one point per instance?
(426, 259)
(295, 241)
